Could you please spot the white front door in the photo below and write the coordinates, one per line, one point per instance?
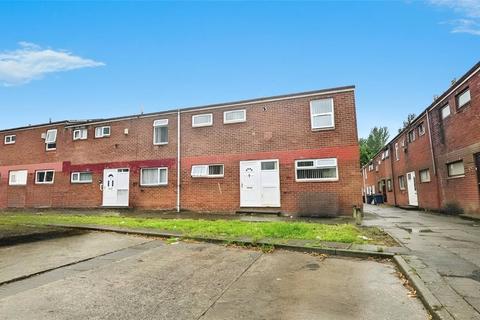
(412, 189)
(116, 187)
(259, 183)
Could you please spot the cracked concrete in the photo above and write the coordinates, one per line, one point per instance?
(444, 252)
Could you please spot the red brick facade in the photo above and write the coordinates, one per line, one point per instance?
(449, 139)
(275, 128)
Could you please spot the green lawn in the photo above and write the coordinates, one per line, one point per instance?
(227, 229)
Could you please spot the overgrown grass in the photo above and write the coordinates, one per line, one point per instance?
(227, 229)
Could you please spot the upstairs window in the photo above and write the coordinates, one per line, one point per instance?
(202, 120)
(234, 116)
(81, 177)
(80, 134)
(425, 175)
(456, 169)
(397, 154)
(44, 176)
(101, 132)
(387, 153)
(207, 171)
(17, 178)
(316, 170)
(421, 129)
(160, 132)
(51, 139)
(150, 177)
(445, 111)
(322, 114)
(411, 136)
(463, 98)
(10, 139)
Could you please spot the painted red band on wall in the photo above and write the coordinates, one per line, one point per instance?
(57, 166)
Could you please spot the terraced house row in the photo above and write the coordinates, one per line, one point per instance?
(295, 154)
(434, 163)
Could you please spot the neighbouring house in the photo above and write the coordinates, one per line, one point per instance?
(295, 154)
(434, 163)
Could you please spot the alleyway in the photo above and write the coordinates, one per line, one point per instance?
(445, 252)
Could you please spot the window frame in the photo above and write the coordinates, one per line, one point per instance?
(456, 175)
(447, 106)
(420, 175)
(401, 182)
(397, 154)
(209, 124)
(389, 185)
(81, 181)
(208, 175)
(103, 135)
(14, 136)
(244, 119)
(50, 146)
(81, 136)
(315, 166)
(312, 115)
(457, 98)
(160, 123)
(411, 132)
(421, 129)
(17, 184)
(159, 184)
(44, 171)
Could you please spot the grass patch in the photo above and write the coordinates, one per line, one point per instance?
(226, 229)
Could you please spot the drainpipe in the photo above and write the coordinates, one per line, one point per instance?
(178, 160)
(392, 174)
(431, 145)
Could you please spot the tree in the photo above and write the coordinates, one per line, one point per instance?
(375, 141)
(406, 123)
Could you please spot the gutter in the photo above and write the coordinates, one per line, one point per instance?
(178, 161)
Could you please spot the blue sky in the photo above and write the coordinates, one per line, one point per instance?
(90, 60)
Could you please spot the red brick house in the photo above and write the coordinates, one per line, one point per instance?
(434, 162)
(295, 154)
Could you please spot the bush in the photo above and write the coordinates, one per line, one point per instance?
(452, 208)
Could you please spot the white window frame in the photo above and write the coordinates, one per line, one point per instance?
(159, 124)
(44, 182)
(456, 175)
(72, 180)
(209, 124)
(316, 166)
(421, 129)
(402, 182)
(443, 114)
(397, 154)
(51, 141)
(428, 174)
(244, 119)
(414, 136)
(158, 173)
(206, 171)
(9, 138)
(312, 115)
(461, 94)
(23, 172)
(103, 134)
(81, 136)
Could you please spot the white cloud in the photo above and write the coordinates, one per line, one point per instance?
(31, 62)
(468, 9)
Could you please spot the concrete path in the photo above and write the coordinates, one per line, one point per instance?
(151, 279)
(445, 253)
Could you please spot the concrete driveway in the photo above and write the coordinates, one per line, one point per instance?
(444, 252)
(145, 278)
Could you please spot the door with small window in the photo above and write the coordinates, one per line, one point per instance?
(259, 183)
(116, 187)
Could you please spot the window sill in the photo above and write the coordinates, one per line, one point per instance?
(322, 129)
(160, 144)
(83, 182)
(233, 122)
(202, 126)
(208, 177)
(316, 180)
(154, 186)
(456, 177)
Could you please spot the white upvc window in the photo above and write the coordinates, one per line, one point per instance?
(202, 120)
(456, 169)
(160, 132)
(151, 177)
(80, 134)
(463, 98)
(10, 139)
(316, 170)
(234, 116)
(51, 139)
(425, 175)
(17, 178)
(401, 182)
(411, 136)
(370, 167)
(421, 129)
(103, 131)
(207, 171)
(397, 154)
(445, 111)
(44, 176)
(322, 115)
(81, 177)
(387, 153)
